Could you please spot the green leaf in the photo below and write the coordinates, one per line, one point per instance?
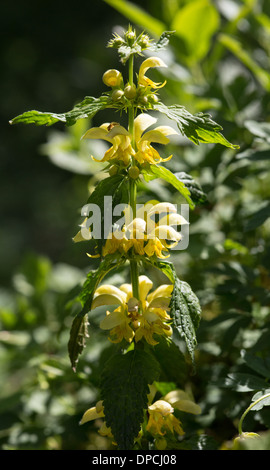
(151, 172)
(258, 218)
(196, 24)
(117, 187)
(163, 41)
(77, 340)
(126, 51)
(241, 382)
(259, 129)
(138, 16)
(78, 332)
(198, 127)
(185, 309)
(260, 365)
(168, 354)
(124, 390)
(240, 52)
(196, 192)
(86, 109)
(263, 398)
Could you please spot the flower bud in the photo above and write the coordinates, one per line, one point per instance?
(117, 95)
(153, 98)
(144, 99)
(113, 170)
(130, 91)
(134, 172)
(117, 42)
(130, 37)
(144, 41)
(161, 444)
(112, 78)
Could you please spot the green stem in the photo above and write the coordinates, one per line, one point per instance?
(134, 272)
(247, 410)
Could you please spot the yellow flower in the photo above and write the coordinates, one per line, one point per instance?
(145, 235)
(120, 139)
(135, 318)
(118, 136)
(161, 417)
(147, 64)
(97, 412)
(145, 152)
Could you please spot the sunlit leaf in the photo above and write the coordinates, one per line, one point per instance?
(138, 15)
(195, 23)
(86, 109)
(199, 128)
(240, 52)
(151, 172)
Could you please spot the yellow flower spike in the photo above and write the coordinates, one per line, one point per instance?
(147, 64)
(112, 78)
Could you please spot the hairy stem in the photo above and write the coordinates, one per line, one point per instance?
(247, 410)
(134, 272)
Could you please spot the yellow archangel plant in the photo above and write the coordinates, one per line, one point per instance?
(142, 318)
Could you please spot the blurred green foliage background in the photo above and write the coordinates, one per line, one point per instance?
(53, 55)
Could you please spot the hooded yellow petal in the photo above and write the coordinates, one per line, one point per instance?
(108, 295)
(165, 290)
(162, 407)
(145, 284)
(117, 130)
(127, 288)
(106, 299)
(154, 136)
(147, 64)
(173, 219)
(142, 122)
(162, 207)
(159, 134)
(91, 414)
(97, 133)
(110, 289)
(165, 232)
(137, 227)
(188, 406)
(160, 302)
